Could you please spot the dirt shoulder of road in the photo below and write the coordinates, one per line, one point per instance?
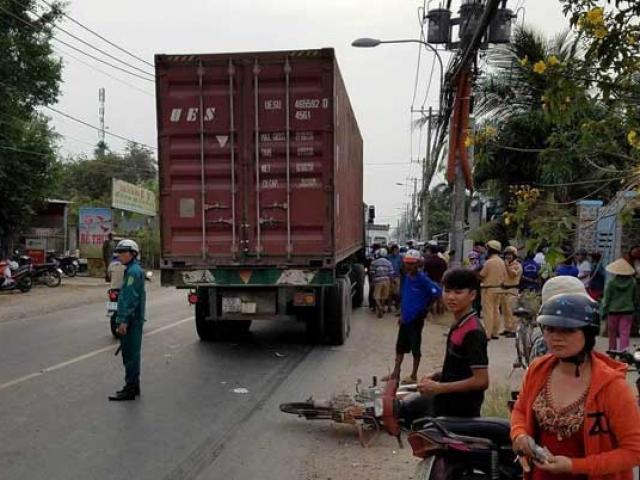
(72, 292)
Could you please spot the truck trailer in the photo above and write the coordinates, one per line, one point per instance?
(260, 168)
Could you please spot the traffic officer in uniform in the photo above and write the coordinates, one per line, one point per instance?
(130, 318)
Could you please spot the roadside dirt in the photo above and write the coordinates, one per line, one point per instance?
(72, 292)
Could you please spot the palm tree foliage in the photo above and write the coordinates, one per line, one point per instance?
(548, 126)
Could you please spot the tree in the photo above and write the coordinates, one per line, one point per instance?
(30, 77)
(439, 209)
(88, 180)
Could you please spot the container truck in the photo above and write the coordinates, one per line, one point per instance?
(261, 211)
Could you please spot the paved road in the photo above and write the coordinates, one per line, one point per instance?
(58, 368)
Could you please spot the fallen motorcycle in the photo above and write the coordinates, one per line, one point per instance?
(449, 448)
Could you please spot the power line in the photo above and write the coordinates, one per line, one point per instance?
(93, 67)
(20, 150)
(33, 27)
(123, 50)
(89, 44)
(82, 122)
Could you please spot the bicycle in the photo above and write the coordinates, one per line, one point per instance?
(529, 341)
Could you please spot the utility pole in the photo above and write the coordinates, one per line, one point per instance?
(414, 207)
(426, 180)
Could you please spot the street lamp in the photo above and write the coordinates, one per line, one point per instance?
(374, 42)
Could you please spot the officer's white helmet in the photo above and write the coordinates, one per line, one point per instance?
(127, 245)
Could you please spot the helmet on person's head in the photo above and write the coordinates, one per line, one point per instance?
(570, 310)
(494, 245)
(381, 253)
(412, 256)
(562, 285)
(512, 250)
(127, 245)
(575, 311)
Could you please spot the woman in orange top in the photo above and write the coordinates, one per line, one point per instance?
(575, 402)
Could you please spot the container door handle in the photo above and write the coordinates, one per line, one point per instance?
(232, 141)
(203, 186)
(256, 72)
(287, 75)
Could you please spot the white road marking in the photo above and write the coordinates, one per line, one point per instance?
(85, 356)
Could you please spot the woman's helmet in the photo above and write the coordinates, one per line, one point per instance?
(570, 310)
(381, 253)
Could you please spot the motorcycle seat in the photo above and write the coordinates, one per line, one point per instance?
(498, 430)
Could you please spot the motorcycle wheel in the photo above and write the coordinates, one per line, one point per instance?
(70, 270)
(307, 410)
(53, 279)
(114, 326)
(25, 284)
(438, 469)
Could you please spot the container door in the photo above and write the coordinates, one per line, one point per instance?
(199, 138)
(288, 185)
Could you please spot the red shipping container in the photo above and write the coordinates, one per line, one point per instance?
(260, 160)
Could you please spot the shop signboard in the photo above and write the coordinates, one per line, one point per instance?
(132, 198)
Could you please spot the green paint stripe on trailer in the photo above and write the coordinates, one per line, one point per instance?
(257, 277)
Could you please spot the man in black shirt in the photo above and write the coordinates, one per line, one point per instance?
(459, 388)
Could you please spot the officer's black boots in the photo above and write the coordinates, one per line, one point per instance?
(128, 392)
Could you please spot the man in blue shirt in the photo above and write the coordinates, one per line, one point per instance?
(418, 291)
(567, 268)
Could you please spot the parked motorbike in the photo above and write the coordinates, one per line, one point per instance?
(631, 359)
(458, 448)
(112, 310)
(48, 274)
(67, 263)
(22, 279)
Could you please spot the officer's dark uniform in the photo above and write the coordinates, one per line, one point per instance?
(131, 307)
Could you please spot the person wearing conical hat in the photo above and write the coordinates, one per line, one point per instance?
(619, 303)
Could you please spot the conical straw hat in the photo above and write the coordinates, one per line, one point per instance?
(621, 267)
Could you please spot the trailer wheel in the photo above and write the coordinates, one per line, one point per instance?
(358, 275)
(338, 311)
(203, 327)
(313, 320)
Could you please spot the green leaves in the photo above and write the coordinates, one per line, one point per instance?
(29, 77)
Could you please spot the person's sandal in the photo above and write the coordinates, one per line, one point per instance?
(409, 381)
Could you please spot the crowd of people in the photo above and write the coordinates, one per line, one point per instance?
(574, 401)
